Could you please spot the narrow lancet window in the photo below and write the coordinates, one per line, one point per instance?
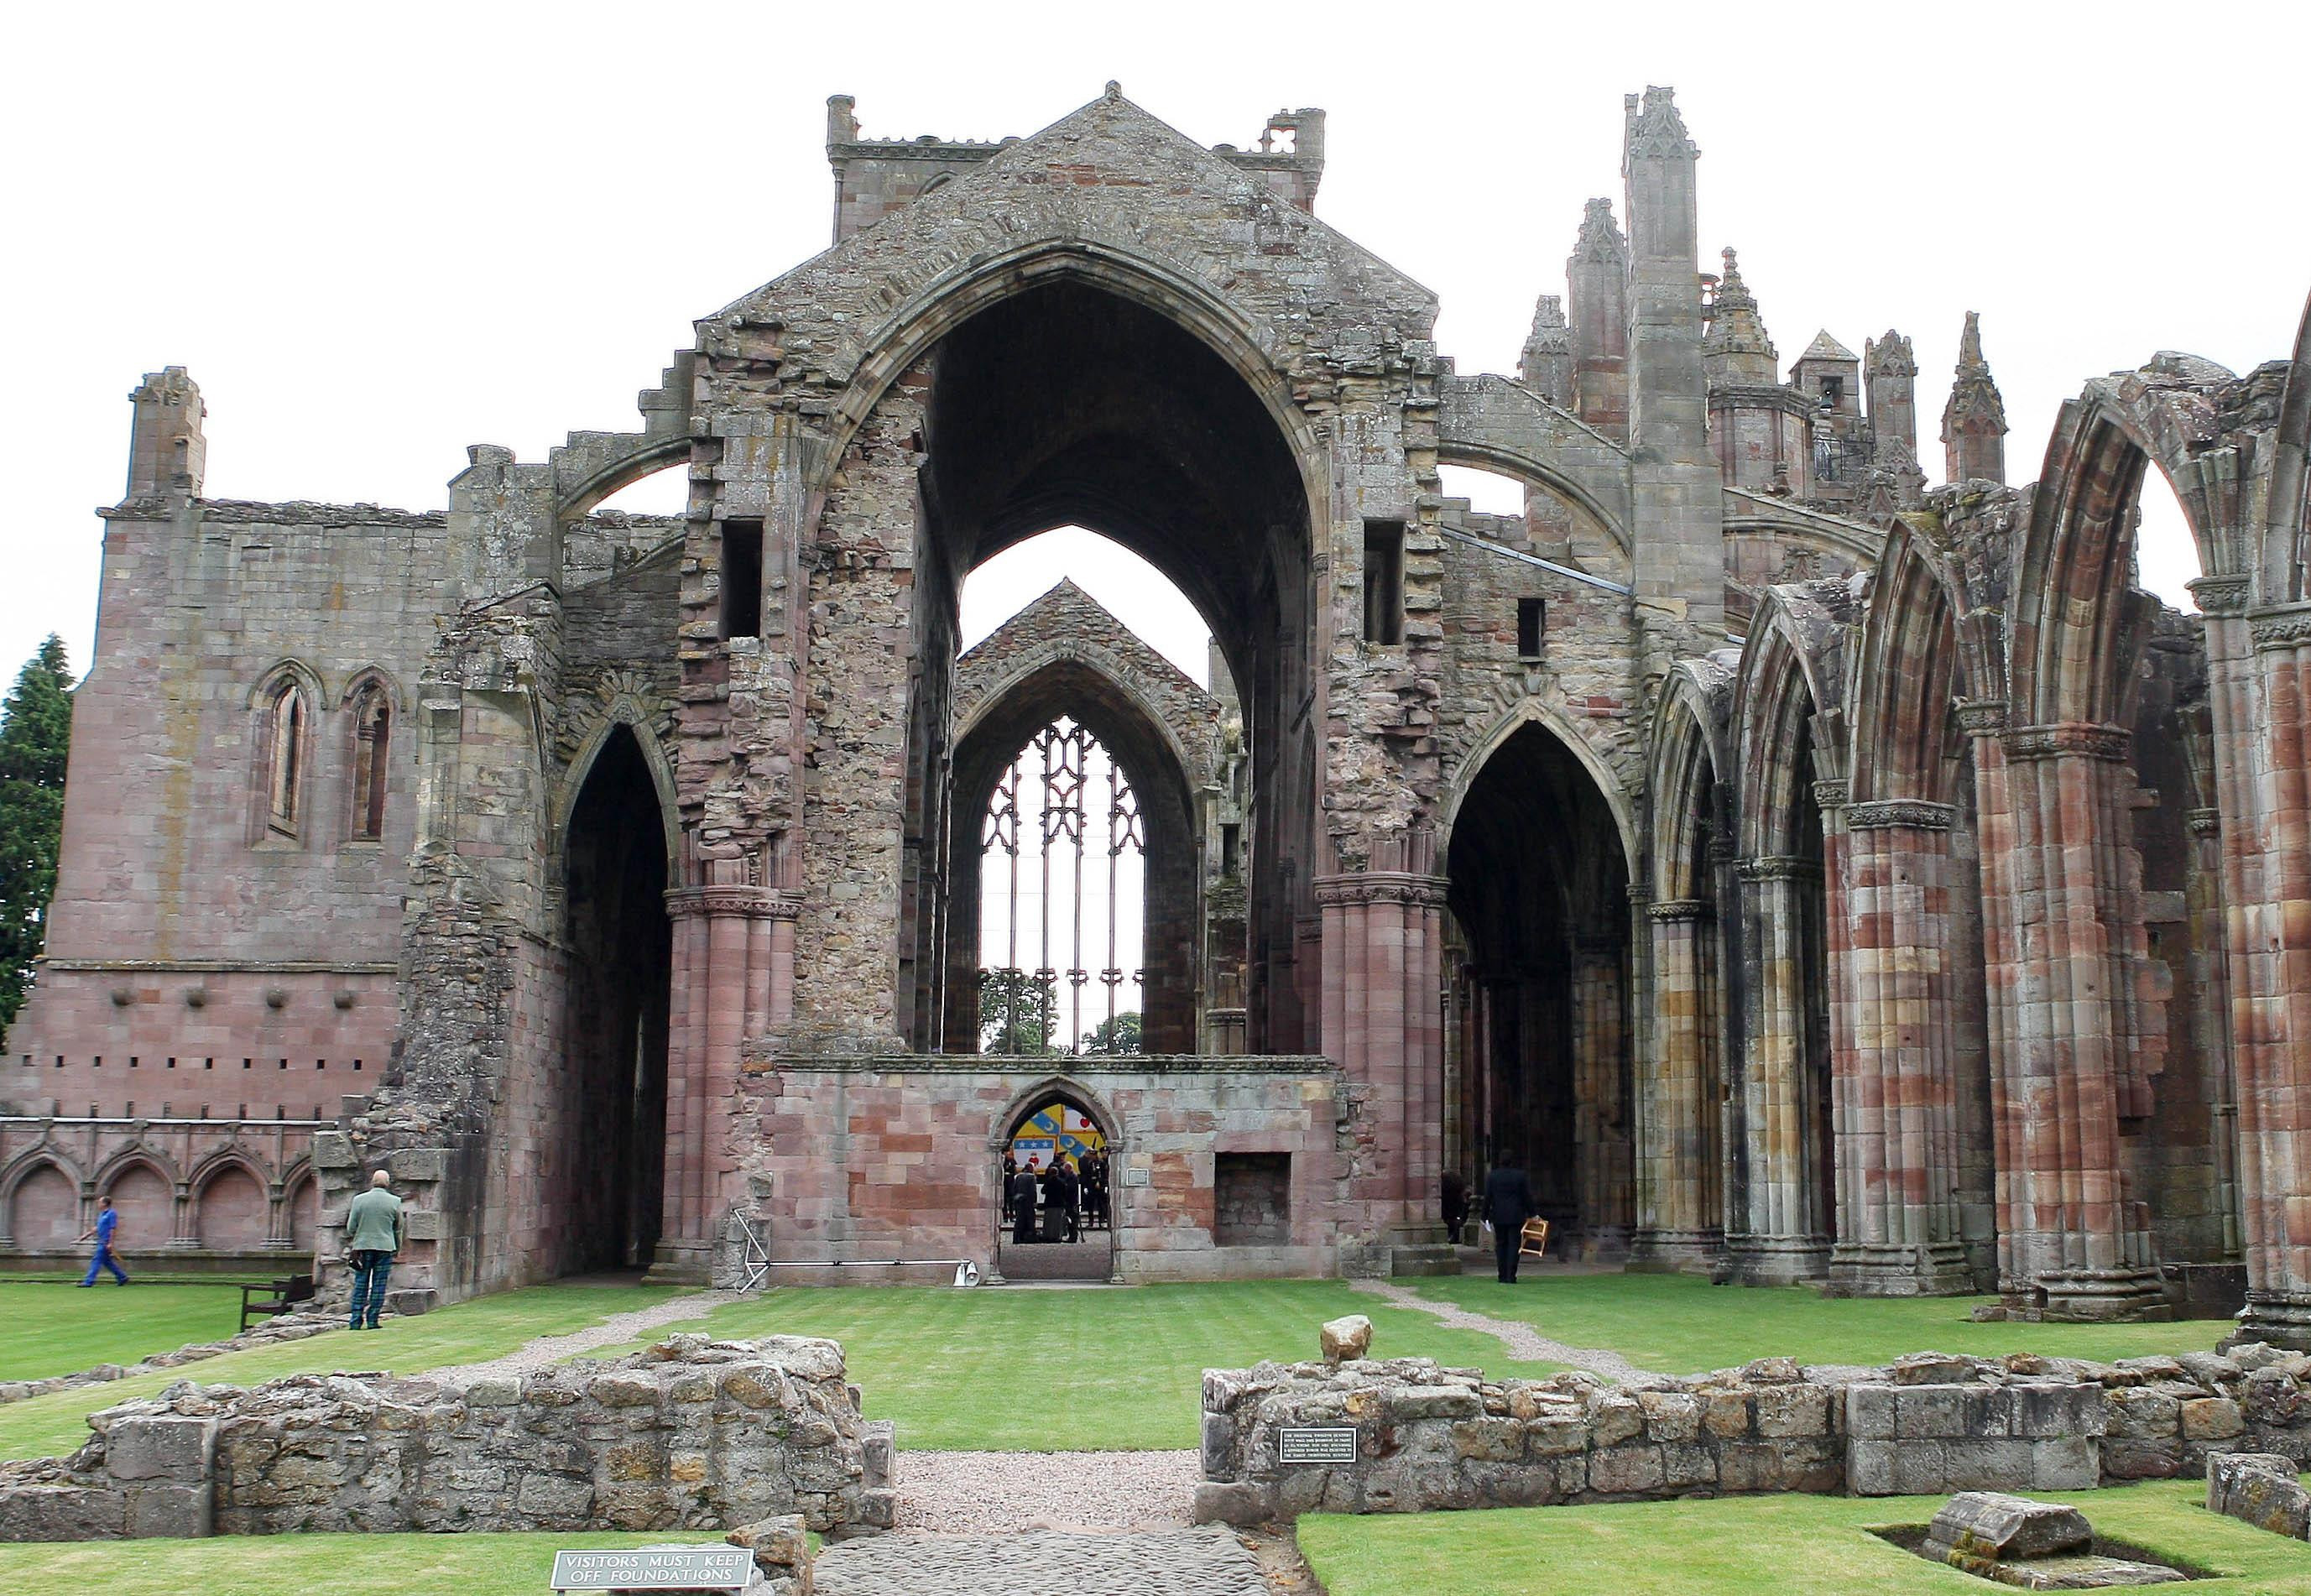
(285, 732)
(372, 744)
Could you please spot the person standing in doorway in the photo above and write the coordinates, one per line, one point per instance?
(1508, 1203)
(373, 1234)
(106, 1225)
(1456, 1205)
(1022, 1205)
(1067, 1193)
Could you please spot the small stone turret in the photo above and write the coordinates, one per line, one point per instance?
(1890, 371)
(167, 451)
(1546, 366)
(1597, 278)
(1736, 349)
(1974, 422)
(1760, 429)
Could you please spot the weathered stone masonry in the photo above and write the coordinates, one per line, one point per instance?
(1806, 875)
(693, 1434)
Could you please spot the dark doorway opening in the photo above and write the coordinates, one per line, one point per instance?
(609, 1168)
(1539, 897)
(1068, 1231)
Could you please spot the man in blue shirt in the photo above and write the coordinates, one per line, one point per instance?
(107, 1222)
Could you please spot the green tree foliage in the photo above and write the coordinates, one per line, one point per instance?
(1017, 1013)
(35, 731)
(1118, 1035)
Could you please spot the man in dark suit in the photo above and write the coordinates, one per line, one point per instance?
(1508, 1203)
(1066, 1189)
(1022, 1205)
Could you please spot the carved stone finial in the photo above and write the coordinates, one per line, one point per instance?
(1114, 90)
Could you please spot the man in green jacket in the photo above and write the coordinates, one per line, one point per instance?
(373, 1234)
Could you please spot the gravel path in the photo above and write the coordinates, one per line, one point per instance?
(615, 1330)
(1009, 1492)
(1206, 1562)
(1522, 1340)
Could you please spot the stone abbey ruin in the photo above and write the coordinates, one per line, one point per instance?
(1806, 875)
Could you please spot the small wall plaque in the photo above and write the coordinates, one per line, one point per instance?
(1135, 1177)
(1331, 1444)
(656, 1568)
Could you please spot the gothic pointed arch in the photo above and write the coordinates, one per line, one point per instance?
(2074, 627)
(285, 703)
(1536, 1042)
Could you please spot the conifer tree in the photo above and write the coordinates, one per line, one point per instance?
(35, 731)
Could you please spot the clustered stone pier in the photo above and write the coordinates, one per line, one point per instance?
(691, 1435)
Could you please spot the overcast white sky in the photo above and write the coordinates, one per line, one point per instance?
(377, 235)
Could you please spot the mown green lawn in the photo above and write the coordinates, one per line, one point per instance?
(1064, 1371)
(312, 1564)
(1679, 1324)
(52, 1327)
(1754, 1546)
(464, 1332)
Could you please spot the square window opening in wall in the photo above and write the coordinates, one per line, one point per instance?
(742, 578)
(1533, 622)
(1383, 581)
(1251, 1199)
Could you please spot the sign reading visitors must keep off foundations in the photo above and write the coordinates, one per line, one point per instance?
(656, 1568)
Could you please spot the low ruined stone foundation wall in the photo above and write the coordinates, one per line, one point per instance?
(1429, 1438)
(691, 1434)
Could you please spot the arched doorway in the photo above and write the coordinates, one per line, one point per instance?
(1067, 1232)
(606, 1172)
(1540, 905)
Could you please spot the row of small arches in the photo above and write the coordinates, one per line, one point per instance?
(228, 1205)
(289, 741)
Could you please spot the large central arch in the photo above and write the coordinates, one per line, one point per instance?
(1066, 401)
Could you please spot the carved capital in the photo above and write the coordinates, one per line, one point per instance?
(2078, 738)
(1680, 909)
(1779, 867)
(1830, 795)
(1980, 717)
(1901, 813)
(749, 903)
(2204, 823)
(2284, 626)
(2220, 595)
(1382, 886)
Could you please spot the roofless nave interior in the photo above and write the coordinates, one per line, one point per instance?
(1805, 873)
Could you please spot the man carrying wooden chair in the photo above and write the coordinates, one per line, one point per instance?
(1508, 1205)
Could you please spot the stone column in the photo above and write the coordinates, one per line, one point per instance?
(2212, 1017)
(733, 971)
(1782, 1234)
(1382, 1008)
(1894, 1079)
(2068, 1227)
(1680, 1193)
(1600, 1115)
(2263, 732)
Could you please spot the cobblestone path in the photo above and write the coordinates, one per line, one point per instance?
(1522, 1340)
(1206, 1562)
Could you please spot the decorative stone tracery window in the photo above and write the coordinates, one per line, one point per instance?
(1047, 910)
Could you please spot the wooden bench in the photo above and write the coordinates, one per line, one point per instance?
(287, 1294)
